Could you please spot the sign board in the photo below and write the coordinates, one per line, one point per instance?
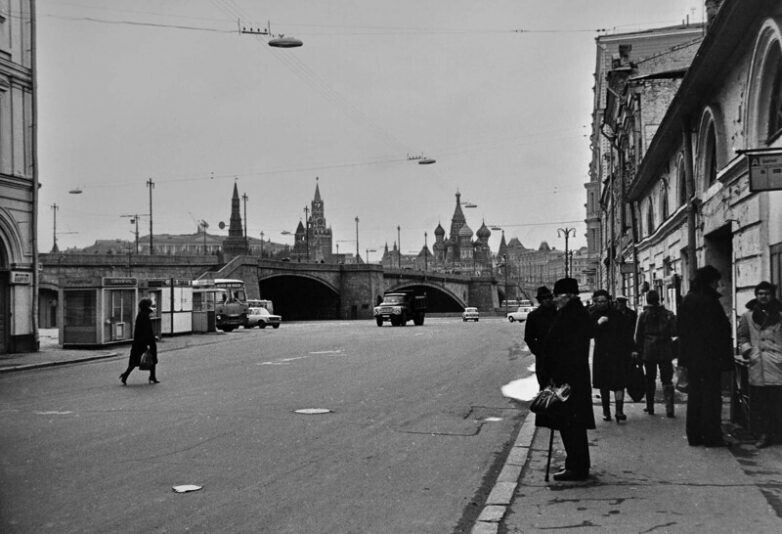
(21, 278)
(765, 171)
(120, 282)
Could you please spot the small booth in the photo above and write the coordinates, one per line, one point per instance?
(173, 300)
(98, 311)
(204, 319)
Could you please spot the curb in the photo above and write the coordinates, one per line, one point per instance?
(501, 496)
(28, 366)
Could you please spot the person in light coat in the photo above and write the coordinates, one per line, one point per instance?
(760, 342)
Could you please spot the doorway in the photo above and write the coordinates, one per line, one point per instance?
(718, 252)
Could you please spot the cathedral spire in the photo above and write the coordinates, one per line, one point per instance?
(235, 226)
(317, 190)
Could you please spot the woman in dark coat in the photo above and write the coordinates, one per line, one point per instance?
(612, 354)
(143, 339)
(567, 362)
(706, 351)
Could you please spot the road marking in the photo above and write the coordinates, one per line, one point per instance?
(53, 412)
(312, 411)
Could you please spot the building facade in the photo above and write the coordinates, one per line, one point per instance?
(636, 77)
(18, 178)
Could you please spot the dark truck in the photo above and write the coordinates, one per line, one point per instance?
(398, 308)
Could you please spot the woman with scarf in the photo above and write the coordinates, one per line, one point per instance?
(760, 342)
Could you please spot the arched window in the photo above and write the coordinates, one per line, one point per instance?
(681, 179)
(710, 157)
(764, 101)
(775, 107)
(664, 201)
(650, 217)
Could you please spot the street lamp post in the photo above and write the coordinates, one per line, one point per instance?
(426, 253)
(307, 230)
(261, 244)
(151, 186)
(357, 239)
(245, 197)
(505, 264)
(566, 231)
(399, 242)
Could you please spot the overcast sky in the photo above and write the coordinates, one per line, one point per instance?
(169, 90)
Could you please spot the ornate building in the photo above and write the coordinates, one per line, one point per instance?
(459, 253)
(314, 243)
(236, 243)
(18, 179)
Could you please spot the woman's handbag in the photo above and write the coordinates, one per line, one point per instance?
(147, 361)
(636, 383)
(682, 383)
(549, 400)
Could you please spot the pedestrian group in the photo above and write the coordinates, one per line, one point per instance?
(559, 332)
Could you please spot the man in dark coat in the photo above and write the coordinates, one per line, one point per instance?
(566, 361)
(654, 335)
(536, 328)
(706, 351)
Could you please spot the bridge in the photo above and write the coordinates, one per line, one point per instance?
(300, 291)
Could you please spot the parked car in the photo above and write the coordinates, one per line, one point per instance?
(520, 314)
(470, 314)
(261, 318)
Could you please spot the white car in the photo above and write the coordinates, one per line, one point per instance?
(520, 314)
(470, 314)
(261, 318)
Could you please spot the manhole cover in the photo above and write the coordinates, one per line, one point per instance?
(312, 411)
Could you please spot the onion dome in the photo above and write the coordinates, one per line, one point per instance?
(465, 231)
(439, 231)
(483, 232)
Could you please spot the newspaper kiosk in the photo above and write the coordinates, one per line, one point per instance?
(173, 300)
(98, 311)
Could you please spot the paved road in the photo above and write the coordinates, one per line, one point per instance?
(417, 430)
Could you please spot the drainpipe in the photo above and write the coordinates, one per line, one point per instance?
(692, 263)
(636, 276)
(34, 141)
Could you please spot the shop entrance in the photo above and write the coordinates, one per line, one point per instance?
(719, 254)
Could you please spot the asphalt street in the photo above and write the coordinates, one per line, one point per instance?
(416, 431)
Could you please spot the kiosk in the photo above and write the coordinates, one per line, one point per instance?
(173, 300)
(98, 311)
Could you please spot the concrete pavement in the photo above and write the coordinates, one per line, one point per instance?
(645, 478)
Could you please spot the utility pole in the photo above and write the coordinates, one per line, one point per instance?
(261, 244)
(55, 207)
(505, 262)
(357, 239)
(245, 197)
(151, 186)
(566, 231)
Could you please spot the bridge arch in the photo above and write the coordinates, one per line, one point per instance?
(300, 297)
(439, 299)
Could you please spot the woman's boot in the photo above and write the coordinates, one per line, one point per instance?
(668, 396)
(619, 398)
(605, 398)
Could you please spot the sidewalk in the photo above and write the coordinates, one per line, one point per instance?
(51, 354)
(645, 478)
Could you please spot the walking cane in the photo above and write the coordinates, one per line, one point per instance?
(550, 447)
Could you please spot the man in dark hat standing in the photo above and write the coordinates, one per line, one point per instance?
(706, 351)
(566, 350)
(536, 328)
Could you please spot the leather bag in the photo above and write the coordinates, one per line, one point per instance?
(550, 400)
(147, 361)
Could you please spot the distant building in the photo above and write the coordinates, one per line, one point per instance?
(18, 180)
(314, 242)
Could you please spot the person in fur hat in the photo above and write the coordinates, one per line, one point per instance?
(760, 342)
